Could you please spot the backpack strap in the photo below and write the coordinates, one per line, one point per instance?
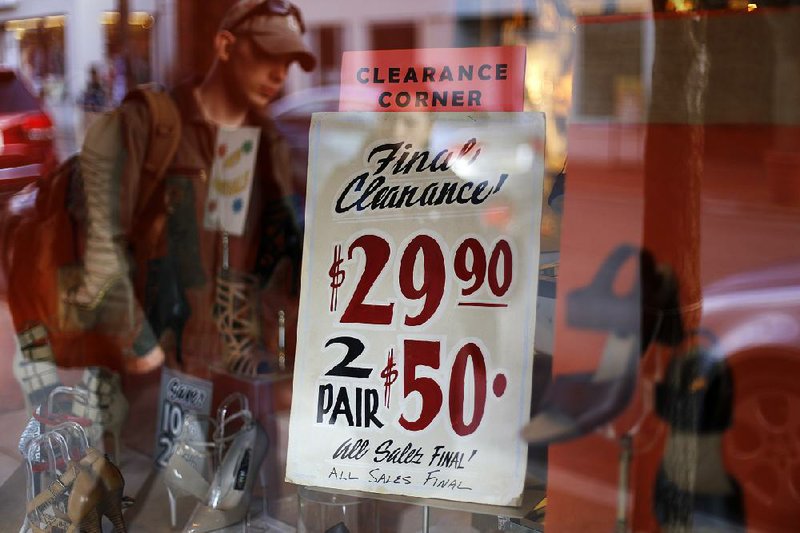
(163, 139)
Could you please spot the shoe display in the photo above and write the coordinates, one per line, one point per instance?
(576, 404)
(219, 472)
(71, 486)
(53, 413)
(235, 310)
(241, 456)
(190, 468)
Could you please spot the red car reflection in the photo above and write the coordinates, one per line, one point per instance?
(26, 135)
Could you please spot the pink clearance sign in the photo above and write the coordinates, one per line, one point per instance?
(434, 79)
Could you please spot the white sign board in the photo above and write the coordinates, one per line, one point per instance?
(415, 338)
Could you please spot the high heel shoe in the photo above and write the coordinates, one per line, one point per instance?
(240, 455)
(86, 485)
(231, 489)
(236, 315)
(575, 404)
(189, 469)
(100, 486)
(242, 460)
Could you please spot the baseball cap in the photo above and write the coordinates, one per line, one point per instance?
(276, 26)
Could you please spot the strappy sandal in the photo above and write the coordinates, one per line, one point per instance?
(236, 314)
(86, 490)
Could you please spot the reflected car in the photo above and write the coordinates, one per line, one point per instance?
(27, 149)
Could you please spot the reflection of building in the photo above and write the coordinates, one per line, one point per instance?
(54, 42)
(545, 27)
(332, 28)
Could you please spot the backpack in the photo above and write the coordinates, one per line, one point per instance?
(46, 241)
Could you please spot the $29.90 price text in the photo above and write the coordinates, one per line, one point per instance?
(421, 282)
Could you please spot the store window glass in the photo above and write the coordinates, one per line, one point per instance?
(332, 243)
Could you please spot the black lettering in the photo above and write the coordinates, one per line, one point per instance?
(422, 99)
(364, 200)
(407, 196)
(394, 75)
(428, 194)
(342, 407)
(439, 98)
(392, 148)
(444, 165)
(360, 78)
(427, 74)
(431, 477)
(467, 185)
(464, 73)
(422, 157)
(377, 76)
(390, 198)
(399, 164)
(324, 401)
(378, 198)
(372, 403)
(434, 481)
(411, 75)
(366, 408)
(447, 193)
(500, 183)
(457, 98)
(446, 74)
(482, 72)
(358, 407)
(402, 99)
(355, 348)
(474, 98)
(502, 71)
(436, 453)
(408, 454)
(358, 182)
(476, 199)
(382, 99)
(355, 451)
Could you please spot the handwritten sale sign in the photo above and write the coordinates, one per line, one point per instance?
(415, 338)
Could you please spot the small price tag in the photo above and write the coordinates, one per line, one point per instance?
(180, 395)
